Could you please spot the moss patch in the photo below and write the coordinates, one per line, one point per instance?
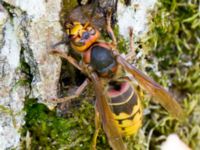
(173, 43)
(50, 131)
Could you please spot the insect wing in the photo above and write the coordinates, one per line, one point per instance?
(109, 124)
(153, 88)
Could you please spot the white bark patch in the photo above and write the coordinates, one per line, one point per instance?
(43, 33)
(34, 30)
(12, 101)
(11, 49)
(34, 8)
(9, 136)
(134, 16)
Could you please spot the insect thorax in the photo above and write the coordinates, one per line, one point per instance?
(102, 60)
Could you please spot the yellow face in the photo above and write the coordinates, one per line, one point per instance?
(82, 36)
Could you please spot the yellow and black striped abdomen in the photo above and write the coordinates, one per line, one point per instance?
(126, 107)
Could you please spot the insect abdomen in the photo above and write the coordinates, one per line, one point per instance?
(126, 107)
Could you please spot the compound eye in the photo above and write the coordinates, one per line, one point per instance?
(85, 35)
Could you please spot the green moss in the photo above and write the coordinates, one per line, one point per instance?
(8, 111)
(122, 43)
(50, 131)
(5, 110)
(173, 40)
(173, 43)
(25, 73)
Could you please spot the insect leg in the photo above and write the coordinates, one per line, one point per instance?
(75, 95)
(109, 28)
(131, 53)
(67, 57)
(97, 127)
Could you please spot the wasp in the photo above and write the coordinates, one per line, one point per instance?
(118, 102)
